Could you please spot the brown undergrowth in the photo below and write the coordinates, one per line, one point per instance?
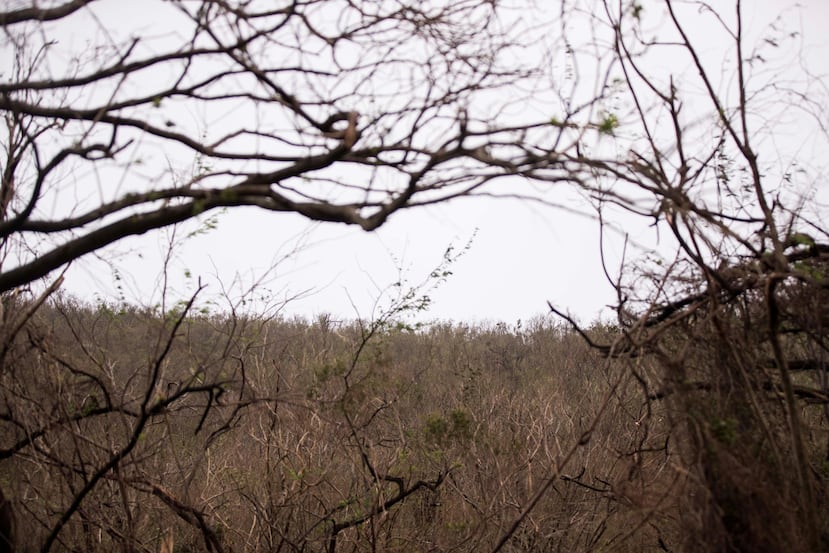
(124, 429)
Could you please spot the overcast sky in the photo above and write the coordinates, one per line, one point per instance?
(521, 255)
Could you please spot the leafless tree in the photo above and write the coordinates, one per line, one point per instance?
(726, 322)
(339, 111)
(348, 111)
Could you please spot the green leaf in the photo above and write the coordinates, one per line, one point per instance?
(801, 239)
(608, 124)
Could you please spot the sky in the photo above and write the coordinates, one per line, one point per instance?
(520, 254)
(517, 257)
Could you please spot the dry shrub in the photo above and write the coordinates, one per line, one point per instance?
(267, 435)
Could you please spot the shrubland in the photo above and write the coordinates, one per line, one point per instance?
(317, 435)
(127, 426)
(693, 420)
